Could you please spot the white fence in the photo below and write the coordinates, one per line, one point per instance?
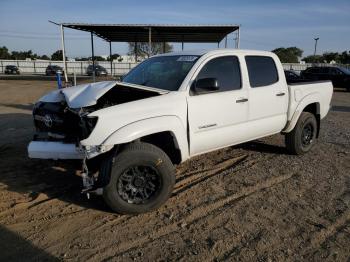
(300, 67)
(118, 68)
(78, 67)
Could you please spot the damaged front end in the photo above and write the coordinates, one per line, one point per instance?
(62, 120)
(62, 117)
(57, 122)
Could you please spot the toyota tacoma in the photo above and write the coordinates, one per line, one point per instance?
(130, 134)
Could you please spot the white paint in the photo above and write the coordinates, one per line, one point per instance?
(211, 121)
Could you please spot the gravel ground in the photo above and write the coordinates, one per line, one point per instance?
(251, 202)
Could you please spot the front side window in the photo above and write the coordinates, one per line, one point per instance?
(335, 71)
(226, 70)
(311, 70)
(163, 72)
(262, 70)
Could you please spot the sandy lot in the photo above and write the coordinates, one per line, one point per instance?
(252, 202)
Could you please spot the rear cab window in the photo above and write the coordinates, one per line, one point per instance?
(262, 71)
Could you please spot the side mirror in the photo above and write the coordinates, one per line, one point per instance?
(206, 85)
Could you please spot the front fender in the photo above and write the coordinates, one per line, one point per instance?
(150, 126)
(307, 100)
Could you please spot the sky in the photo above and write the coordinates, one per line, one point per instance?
(265, 25)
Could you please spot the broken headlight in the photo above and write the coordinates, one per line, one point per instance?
(87, 125)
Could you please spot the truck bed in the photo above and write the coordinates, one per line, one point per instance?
(308, 92)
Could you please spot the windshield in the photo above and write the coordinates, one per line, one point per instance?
(163, 72)
(345, 70)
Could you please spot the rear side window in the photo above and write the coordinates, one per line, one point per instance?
(262, 70)
(311, 70)
(324, 70)
(226, 70)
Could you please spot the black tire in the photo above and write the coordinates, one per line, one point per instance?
(303, 137)
(126, 189)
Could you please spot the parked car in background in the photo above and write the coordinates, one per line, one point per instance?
(339, 76)
(292, 76)
(99, 70)
(11, 70)
(53, 70)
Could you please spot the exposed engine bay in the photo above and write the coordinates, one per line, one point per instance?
(56, 120)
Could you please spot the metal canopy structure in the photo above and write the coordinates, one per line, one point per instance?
(159, 33)
(150, 33)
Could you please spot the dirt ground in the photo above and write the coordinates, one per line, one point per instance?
(252, 202)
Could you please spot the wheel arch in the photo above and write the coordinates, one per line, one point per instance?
(311, 104)
(165, 132)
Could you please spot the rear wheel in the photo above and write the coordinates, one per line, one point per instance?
(142, 178)
(303, 137)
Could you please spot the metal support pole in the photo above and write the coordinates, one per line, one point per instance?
(64, 54)
(93, 57)
(110, 56)
(316, 39)
(218, 44)
(135, 51)
(163, 47)
(226, 41)
(75, 78)
(238, 39)
(182, 43)
(149, 41)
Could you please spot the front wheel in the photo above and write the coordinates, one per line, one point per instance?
(303, 137)
(142, 178)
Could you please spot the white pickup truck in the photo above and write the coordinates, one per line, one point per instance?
(171, 107)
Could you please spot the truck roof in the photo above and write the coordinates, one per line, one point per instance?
(216, 51)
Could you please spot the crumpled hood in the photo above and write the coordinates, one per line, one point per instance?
(87, 94)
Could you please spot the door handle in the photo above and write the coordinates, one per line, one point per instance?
(280, 94)
(242, 100)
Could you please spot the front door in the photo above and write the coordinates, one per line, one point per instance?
(217, 117)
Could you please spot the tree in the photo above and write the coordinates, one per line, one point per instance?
(289, 54)
(113, 56)
(43, 57)
(22, 55)
(345, 57)
(331, 56)
(98, 58)
(313, 59)
(57, 56)
(142, 49)
(82, 59)
(4, 53)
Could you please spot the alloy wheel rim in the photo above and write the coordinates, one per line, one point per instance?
(307, 134)
(139, 184)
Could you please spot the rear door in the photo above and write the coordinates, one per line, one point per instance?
(312, 73)
(216, 119)
(268, 96)
(337, 76)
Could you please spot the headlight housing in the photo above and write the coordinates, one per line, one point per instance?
(87, 125)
